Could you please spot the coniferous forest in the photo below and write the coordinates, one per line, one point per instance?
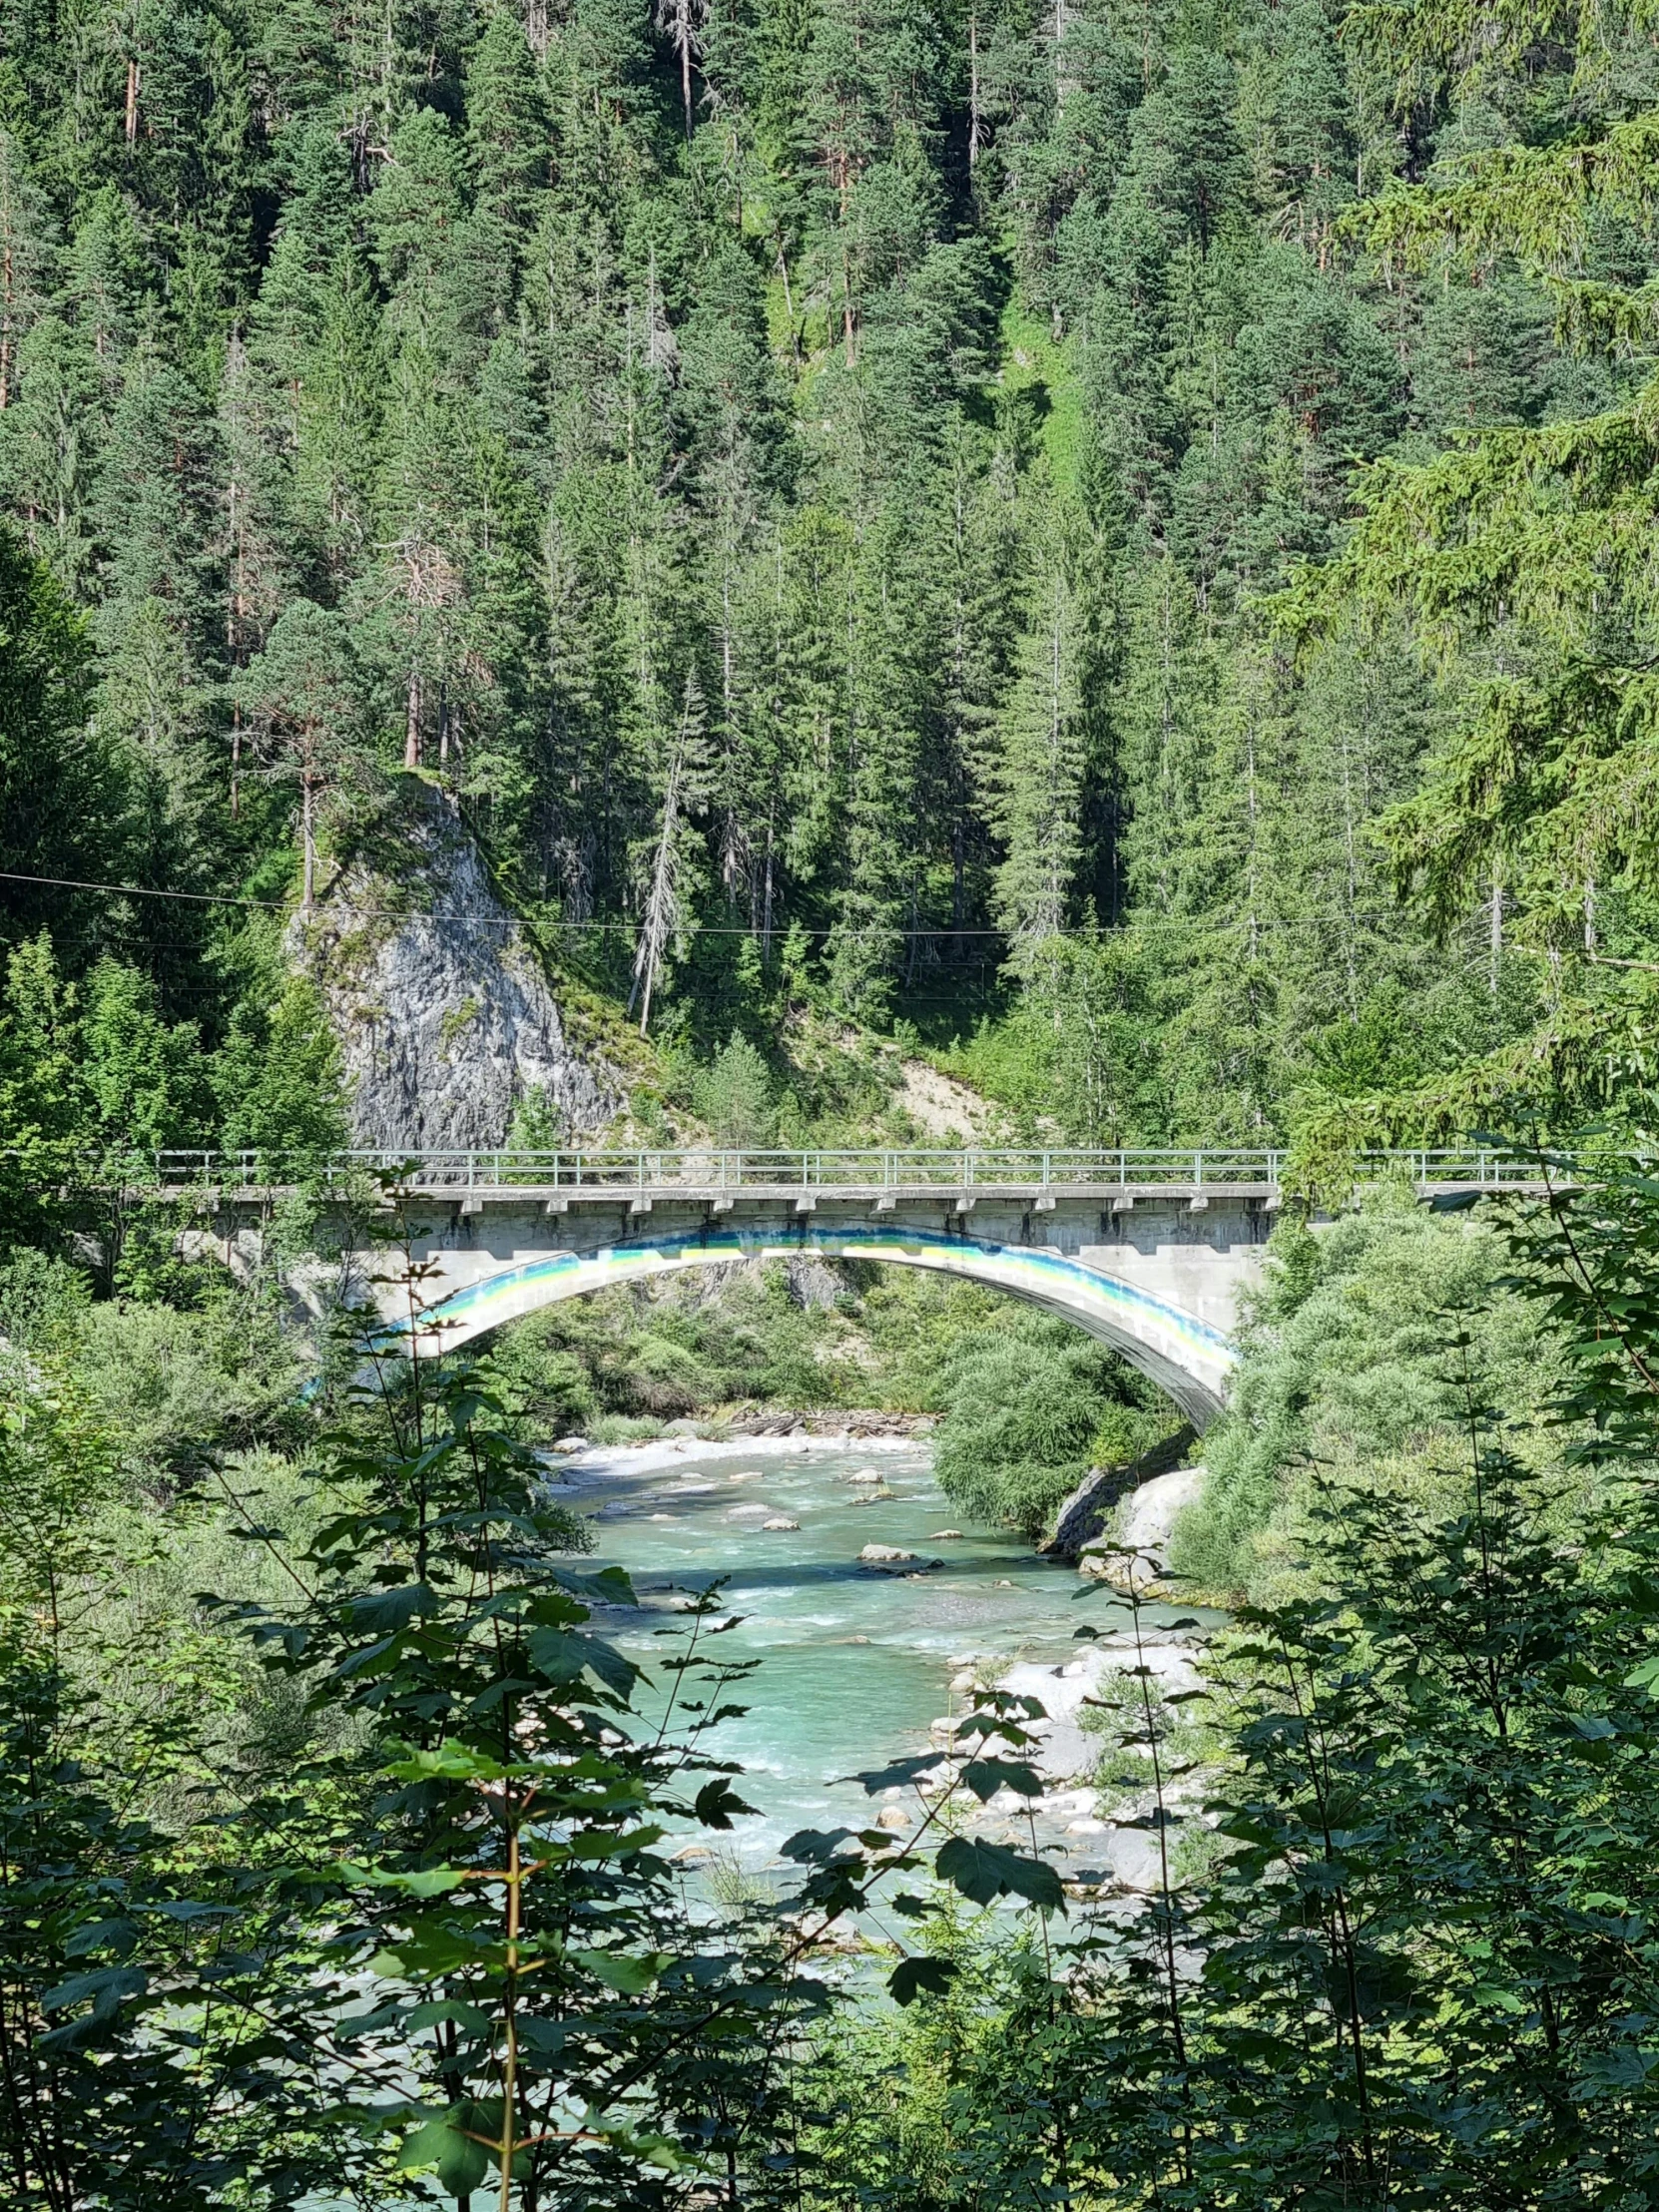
(1117, 539)
(1076, 571)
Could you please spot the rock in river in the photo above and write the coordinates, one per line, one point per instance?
(778, 1520)
(890, 1556)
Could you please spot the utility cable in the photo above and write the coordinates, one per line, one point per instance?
(1196, 926)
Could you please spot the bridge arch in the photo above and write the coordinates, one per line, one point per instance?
(1186, 1355)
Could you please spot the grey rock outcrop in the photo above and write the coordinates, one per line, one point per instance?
(1085, 1514)
(1138, 1553)
(444, 1017)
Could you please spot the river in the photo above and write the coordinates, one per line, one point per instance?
(855, 1664)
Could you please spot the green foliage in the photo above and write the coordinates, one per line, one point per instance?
(61, 795)
(277, 1078)
(438, 1808)
(182, 1387)
(810, 492)
(42, 1105)
(734, 1096)
(1027, 1407)
(1413, 1964)
(1343, 1365)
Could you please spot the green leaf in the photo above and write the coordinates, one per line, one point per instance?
(459, 2163)
(471, 2016)
(984, 1776)
(562, 1655)
(445, 1762)
(118, 1936)
(983, 1871)
(425, 1882)
(618, 1970)
(912, 1976)
(106, 1986)
(717, 1801)
(901, 1771)
(605, 1843)
(815, 1847)
(389, 1613)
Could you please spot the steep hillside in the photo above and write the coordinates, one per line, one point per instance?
(830, 495)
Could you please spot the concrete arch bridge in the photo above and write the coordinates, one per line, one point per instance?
(1148, 1251)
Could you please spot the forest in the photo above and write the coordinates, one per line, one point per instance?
(1094, 555)
(1114, 540)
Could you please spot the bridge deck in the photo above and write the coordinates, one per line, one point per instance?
(710, 1176)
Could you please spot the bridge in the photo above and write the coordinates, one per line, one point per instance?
(1149, 1251)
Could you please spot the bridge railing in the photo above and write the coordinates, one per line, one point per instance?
(721, 1169)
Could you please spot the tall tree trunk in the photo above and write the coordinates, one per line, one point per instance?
(307, 839)
(766, 902)
(659, 906)
(7, 286)
(973, 90)
(411, 720)
(788, 301)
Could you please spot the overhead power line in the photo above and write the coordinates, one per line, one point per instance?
(1142, 922)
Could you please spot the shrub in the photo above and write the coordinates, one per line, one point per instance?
(1024, 1406)
(1349, 1355)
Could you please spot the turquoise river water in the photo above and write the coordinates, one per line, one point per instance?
(854, 1664)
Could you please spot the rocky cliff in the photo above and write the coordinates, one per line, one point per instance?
(444, 1016)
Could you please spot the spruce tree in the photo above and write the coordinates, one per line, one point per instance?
(1035, 772)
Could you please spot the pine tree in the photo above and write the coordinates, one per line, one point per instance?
(62, 797)
(258, 525)
(883, 866)
(1035, 774)
(304, 700)
(27, 259)
(509, 147)
(415, 595)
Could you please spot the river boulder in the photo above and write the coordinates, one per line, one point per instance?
(890, 1559)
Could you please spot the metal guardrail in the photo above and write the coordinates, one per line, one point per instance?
(706, 1168)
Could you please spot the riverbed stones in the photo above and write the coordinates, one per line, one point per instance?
(780, 1520)
(1062, 1749)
